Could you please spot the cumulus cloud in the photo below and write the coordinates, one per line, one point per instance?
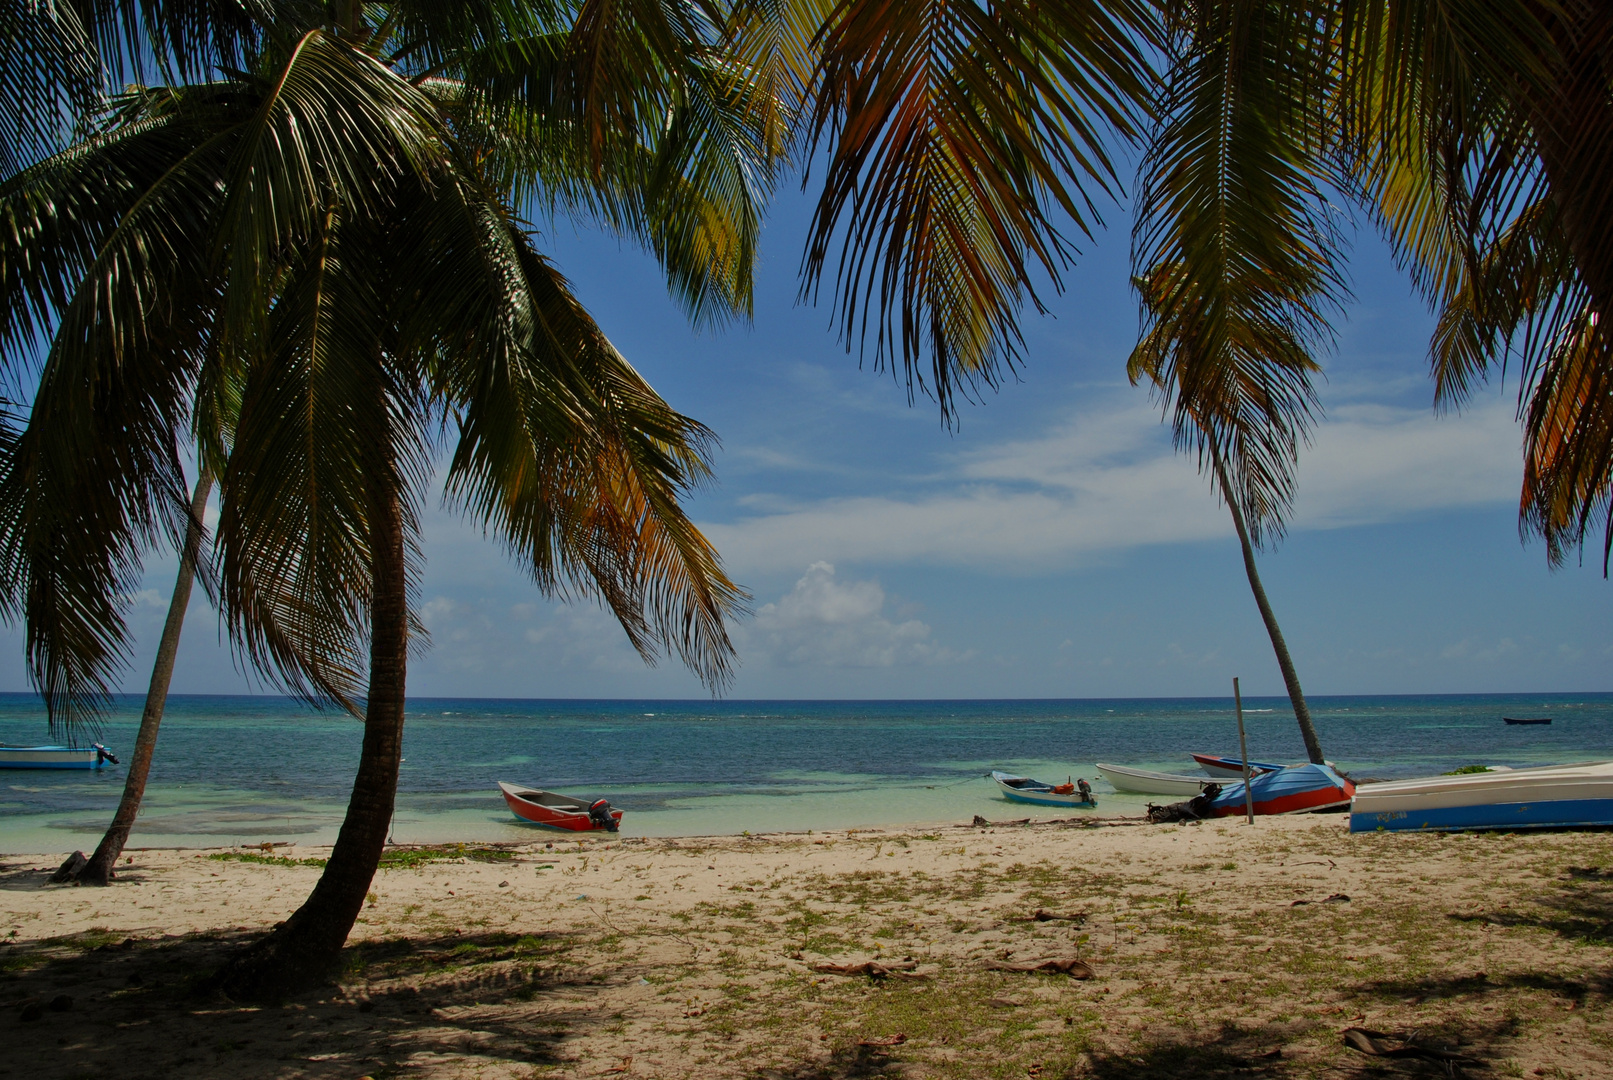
(826, 622)
(1111, 480)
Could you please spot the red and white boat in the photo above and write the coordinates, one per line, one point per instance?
(560, 811)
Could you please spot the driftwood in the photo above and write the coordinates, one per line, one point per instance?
(873, 969)
(1039, 915)
(1075, 969)
(881, 1043)
(1195, 809)
(1336, 898)
(71, 868)
(1379, 1044)
(981, 823)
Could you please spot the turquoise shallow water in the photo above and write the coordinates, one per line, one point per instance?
(249, 769)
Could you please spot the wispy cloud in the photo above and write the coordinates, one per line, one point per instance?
(1110, 480)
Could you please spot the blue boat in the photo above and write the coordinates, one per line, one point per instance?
(1024, 789)
(1552, 796)
(1293, 789)
(55, 757)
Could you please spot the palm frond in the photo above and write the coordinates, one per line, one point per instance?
(1236, 249)
(956, 133)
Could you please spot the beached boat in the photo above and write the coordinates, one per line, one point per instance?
(560, 811)
(1550, 796)
(93, 756)
(1143, 782)
(1526, 719)
(1223, 767)
(1288, 790)
(1024, 789)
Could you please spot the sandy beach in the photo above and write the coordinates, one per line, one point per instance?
(1214, 949)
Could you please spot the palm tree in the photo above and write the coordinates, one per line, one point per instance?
(1235, 250)
(99, 869)
(328, 238)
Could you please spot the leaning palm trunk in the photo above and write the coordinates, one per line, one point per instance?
(307, 947)
(1307, 730)
(99, 870)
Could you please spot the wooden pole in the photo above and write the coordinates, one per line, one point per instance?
(1243, 747)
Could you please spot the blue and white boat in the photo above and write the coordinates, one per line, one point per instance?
(1024, 789)
(1293, 789)
(92, 756)
(1552, 796)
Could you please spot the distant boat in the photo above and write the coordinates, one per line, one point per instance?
(1544, 797)
(560, 811)
(1143, 782)
(1223, 767)
(1288, 790)
(1527, 719)
(1024, 789)
(93, 756)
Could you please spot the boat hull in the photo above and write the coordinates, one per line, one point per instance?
(1223, 768)
(1296, 789)
(1038, 795)
(1144, 782)
(1526, 720)
(549, 809)
(1557, 796)
(51, 757)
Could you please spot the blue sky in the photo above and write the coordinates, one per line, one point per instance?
(1051, 545)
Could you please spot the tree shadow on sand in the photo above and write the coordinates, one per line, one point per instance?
(1580, 908)
(131, 1008)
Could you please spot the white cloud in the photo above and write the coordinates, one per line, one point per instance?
(826, 622)
(1111, 480)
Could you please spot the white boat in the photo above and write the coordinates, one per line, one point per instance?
(1545, 797)
(1143, 782)
(55, 757)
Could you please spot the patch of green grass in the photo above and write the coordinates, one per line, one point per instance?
(414, 858)
(1466, 770)
(263, 860)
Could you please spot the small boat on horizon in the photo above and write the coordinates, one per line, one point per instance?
(1224, 767)
(1526, 719)
(1544, 797)
(1024, 789)
(93, 756)
(1145, 782)
(560, 811)
(1290, 789)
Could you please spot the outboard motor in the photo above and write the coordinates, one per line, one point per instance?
(102, 754)
(599, 813)
(1086, 791)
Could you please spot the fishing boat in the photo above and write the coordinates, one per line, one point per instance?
(1024, 789)
(1143, 782)
(1223, 767)
(1526, 719)
(93, 756)
(1288, 789)
(560, 811)
(1550, 796)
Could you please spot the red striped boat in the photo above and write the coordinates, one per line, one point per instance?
(560, 811)
(1290, 790)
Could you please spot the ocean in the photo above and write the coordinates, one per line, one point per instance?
(232, 770)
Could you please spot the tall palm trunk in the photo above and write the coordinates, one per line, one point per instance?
(99, 870)
(307, 947)
(1307, 730)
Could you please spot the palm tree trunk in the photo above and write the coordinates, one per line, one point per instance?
(307, 947)
(1307, 730)
(99, 869)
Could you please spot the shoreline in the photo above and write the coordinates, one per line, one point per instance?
(1215, 948)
